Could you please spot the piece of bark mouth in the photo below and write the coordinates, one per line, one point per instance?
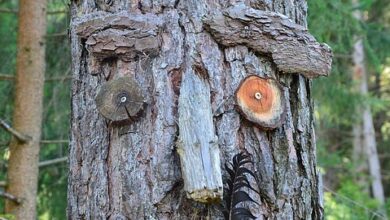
(261, 101)
(291, 47)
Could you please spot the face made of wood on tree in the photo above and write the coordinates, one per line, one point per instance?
(261, 101)
(128, 36)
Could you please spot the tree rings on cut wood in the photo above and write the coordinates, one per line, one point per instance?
(261, 101)
(120, 99)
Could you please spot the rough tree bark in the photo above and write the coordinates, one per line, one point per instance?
(27, 119)
(187, 55)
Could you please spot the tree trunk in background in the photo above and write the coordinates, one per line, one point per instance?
(359, 156)
(27, 119)
(135, 174)
(366, 125)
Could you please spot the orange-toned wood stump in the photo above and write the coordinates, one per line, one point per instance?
(261, 100)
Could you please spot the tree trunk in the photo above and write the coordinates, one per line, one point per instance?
(359, 156)
(366, 124)
(27, 119)
(188, 72)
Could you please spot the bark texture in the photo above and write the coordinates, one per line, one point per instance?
(292, 49)
(133, 171)
(27, 119)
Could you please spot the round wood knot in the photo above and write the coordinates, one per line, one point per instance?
(120, 99)
(261, 101)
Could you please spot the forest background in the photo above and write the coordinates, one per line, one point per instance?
(338, 103)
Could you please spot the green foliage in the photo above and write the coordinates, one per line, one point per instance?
(8, 30)
(7, 217)
(336, 99)
(52, 192)
(53, 179)
(377, 36)
(387, 207)
(364, 5)
(350, 202)
(326, 160)
(332, 22)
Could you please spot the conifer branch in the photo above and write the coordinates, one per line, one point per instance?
(10, 197)
(21, 137)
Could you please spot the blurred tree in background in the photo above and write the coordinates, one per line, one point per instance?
(53, 176)
(346, 180)
(346, 183)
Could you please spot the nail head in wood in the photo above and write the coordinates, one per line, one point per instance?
(261, 101)
(120, 99)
